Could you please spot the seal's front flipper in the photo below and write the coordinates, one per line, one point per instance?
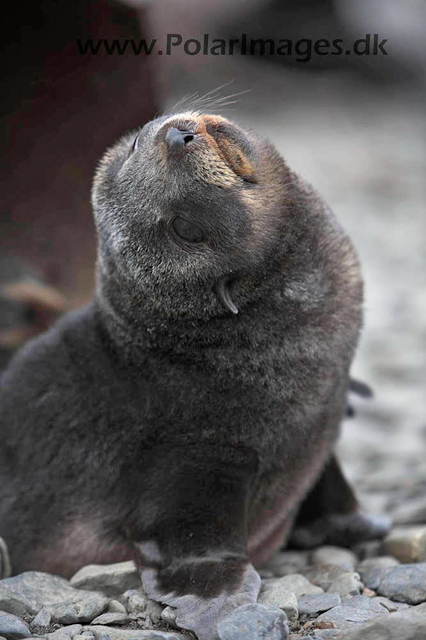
(330, 514)
(191, 538)
(203, 590)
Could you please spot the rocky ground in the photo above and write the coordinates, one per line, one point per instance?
(375, 591)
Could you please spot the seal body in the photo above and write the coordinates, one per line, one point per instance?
(183, 416)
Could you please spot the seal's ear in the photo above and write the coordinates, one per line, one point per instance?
(222, 292)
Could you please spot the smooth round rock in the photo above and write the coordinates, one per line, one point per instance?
(347, 585)
(403, 625)
(317, 603)
(111, 618)
(111, 579)
(356, 610)
(373, 570)
(283, 599)
(12, 627)
(408, 544)
(335, 555)
(405, 583)
(116, 607)
(295, 582)
(323, 575)
(255, 621)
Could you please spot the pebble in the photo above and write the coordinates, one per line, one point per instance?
(295, 582)
(368, 549)
(407, 544)
(255, 621)
(317, 603)
(136, 601)
(411, 512)
(390, 605)
(85, 610)
(31, 591)
(12, 627)
(323, 575)
(43, 618)
(169, 615)
(115, 633)
(405, 583)
(111, 579)
(283, 599)
(335, 556)
(373, 570)
(356, 610)
(347, 585)
(111, 618)
(403, 625)
(116, 607)
(286, 562)
(65, 632)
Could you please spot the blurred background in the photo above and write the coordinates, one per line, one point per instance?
(352, 125)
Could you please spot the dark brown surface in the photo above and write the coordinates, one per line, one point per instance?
(60, 110)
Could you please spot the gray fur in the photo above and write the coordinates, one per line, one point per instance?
(157, 414)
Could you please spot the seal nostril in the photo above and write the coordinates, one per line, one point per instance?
(178, 138)
(188, 137)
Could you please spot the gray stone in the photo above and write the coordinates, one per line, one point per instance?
(111, 579)
(136, 601)
(85, 610)
(287, 562)
(323, 575)
(405, 583)
(390, 605)
(115, 633)
(111, 618)
(31, 591)
(43, 618)
(295, 582)
(116, 607)
(266, 573)
(317, 603)
(368, 549)
(335, 555)
(347, 585)
(324, 634)
(403, 625)
(408, 544)
(255, 621)
(357, 610)
(412, 511)
(283, 599)
(373, 570)
(12, 628)
(169, 615)
(85, 636)
(65, 632)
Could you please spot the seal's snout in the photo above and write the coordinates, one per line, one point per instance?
(177, 139)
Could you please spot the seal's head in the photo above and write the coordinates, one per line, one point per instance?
(184, 208)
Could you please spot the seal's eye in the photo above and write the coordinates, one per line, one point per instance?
(187, 230)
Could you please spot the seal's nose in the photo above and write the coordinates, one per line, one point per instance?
(177, 138)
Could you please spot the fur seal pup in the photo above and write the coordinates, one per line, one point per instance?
(184, 415)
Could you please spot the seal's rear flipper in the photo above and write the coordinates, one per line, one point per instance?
(330, 514)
